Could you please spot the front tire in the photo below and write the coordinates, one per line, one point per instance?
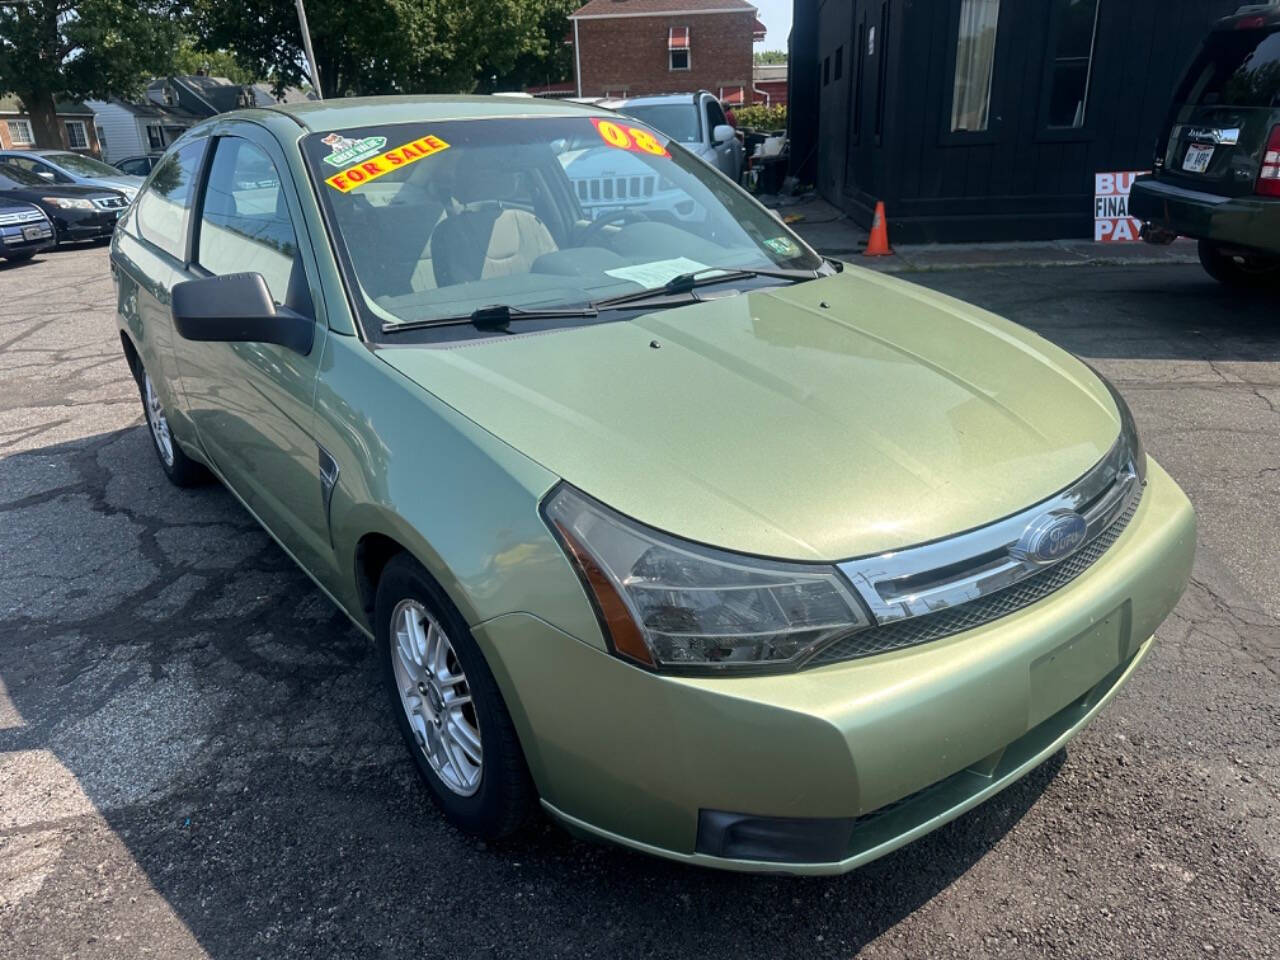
(1237, 270)
(448, 706)
(181, 470)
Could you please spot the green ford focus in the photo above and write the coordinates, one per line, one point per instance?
(709, 546)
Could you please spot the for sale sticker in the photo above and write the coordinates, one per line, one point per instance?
(373, 168)
(1111, 220)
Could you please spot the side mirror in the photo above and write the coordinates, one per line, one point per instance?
(722, 133)
(237, 308)
(44, 174)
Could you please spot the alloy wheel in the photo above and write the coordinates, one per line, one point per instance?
(436, 697)
(156, 421)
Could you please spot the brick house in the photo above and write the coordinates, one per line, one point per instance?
(75, 127)
(637, 47)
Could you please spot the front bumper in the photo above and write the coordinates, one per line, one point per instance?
(77, 225)
(13, 238)
(1252, 222)
(932, 730)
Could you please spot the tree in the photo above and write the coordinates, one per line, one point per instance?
(191, 58)
(394, 46)
(547, 59)
(77, 49)
(765, 57)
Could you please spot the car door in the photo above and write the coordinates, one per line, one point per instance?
(251, 403)
(726, 158)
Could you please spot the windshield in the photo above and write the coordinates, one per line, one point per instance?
(1239, 68)
(12, 177)
(439, 219)
(679, 121)
(85, 166)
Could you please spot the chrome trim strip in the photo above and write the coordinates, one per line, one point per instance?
(902, 584)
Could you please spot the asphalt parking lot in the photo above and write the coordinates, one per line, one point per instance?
(196, 758)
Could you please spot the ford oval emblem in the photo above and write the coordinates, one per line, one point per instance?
(1052, 537)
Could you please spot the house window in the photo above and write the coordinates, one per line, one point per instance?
(975, 64)
(77, 138)
(678, 48)
(155, 136)
(20, 133)
(1075, 30)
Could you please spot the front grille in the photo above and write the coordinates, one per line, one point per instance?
(945, 623)
(596, 189)
(26, 216)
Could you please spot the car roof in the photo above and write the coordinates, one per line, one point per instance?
(1259, 16)
(662, 98)
(323, 115)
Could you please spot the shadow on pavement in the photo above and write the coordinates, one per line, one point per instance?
(1139, 313)
(231, 729)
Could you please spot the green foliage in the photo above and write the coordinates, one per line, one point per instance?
(189, 58)
(762, 117)
(80, 49)
(765, 57)
(394, 46)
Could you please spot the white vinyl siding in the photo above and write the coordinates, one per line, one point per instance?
(121, 129)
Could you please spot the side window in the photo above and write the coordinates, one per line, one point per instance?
(975, 65)
(715, 115)
(163, 210)
(244, 224)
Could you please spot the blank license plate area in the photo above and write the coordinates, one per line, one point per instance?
(1068, 671)
(1197, 158)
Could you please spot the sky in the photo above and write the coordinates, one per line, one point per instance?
(776, 17)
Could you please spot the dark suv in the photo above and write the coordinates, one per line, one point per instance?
(1217, 168)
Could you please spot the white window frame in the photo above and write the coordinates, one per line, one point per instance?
(20, 123)
(159, 128)
(84, 134)
(687, 49)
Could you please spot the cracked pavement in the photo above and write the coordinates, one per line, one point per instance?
(196, 757)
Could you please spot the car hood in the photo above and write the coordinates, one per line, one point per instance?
(123, 183)
(71, 191)
(831, 419)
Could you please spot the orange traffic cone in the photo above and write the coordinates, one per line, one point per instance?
(878, 243)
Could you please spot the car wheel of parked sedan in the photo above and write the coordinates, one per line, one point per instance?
(448, 705)
(1239, 270)
(181, 470)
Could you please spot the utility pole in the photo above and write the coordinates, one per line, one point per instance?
(306, 45)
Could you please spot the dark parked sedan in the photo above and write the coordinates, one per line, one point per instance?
(24, 230)
(78, 213)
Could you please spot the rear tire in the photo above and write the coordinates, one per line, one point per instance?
(486, 792)
(1251, 272)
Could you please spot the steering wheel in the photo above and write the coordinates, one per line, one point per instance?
(592, 230)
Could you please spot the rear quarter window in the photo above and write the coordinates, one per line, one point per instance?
(1238, 68)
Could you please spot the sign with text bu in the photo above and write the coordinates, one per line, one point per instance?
(1111, 220)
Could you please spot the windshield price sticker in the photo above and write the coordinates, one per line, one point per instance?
(384, 163)
(626, 137)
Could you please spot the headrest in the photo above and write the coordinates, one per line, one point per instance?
(486, 179)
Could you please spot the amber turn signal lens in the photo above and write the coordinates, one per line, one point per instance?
(623, 632)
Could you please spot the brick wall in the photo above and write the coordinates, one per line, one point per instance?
(628, 55)
(91, 134)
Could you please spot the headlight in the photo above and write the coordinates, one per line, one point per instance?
(672, 605)
(1128, 427)
(68, 203)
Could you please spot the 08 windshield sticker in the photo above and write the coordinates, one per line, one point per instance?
(623, 136)
(374, 167)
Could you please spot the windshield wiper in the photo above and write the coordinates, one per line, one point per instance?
(494, 317)
(687, 282)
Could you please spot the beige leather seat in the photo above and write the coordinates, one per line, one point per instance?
(483, 237)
